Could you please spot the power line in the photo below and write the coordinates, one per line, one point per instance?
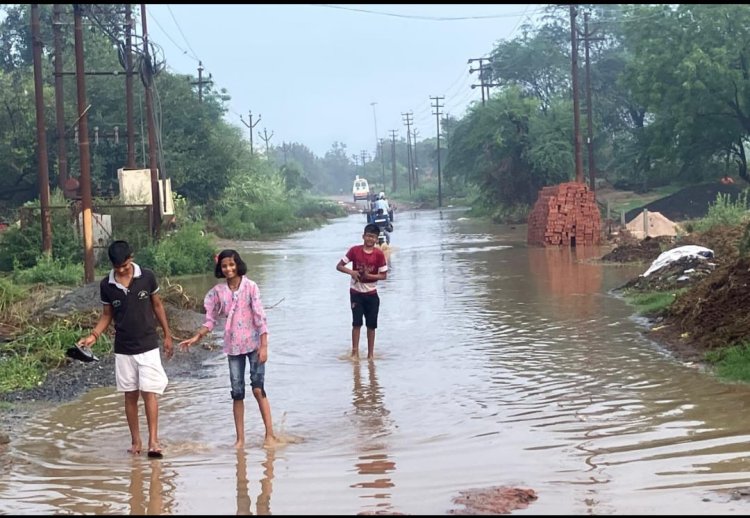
(195, 56)
(422, 17)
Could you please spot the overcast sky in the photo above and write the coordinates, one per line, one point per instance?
(311, 71)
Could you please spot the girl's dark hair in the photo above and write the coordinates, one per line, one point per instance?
(241, 266)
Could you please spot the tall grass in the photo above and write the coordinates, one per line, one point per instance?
(49, 270)
(725, 212)
(731, 363)
(25, 361)
(9, 294)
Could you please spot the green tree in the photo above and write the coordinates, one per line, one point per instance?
(691, 69)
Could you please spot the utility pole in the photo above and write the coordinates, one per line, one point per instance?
(589, 108)
(41, 134)
(481, 75)
(393, 159)
(129, 85)
(250, 127)
(416, 168)
(83, 150)
(363, 154)
(408, 122)
(62, 149)
(574, 84)
(200, 82)
(437, 107)
(266, 137)
(148, 82)
(382, 163)
(378, 141)
(484, 81)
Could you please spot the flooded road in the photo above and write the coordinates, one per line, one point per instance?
(496, 365)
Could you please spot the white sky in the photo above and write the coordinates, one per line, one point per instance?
(311, 71)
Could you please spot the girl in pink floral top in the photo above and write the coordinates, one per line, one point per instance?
(238, 305)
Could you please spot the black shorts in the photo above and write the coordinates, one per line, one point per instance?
(367, 306)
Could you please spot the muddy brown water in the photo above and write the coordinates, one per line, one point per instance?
(496, 365)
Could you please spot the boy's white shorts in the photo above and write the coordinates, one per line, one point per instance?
(140, 372)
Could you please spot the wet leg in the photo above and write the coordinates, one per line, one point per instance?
(131, 414)
(265, 413)
(238, 409)
(152, 419)
(370, 343)
(355, 341)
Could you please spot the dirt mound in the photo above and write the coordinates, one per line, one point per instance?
(689, 203)
(639, 251)
(682, 272)
(711, 313)
(714, 313)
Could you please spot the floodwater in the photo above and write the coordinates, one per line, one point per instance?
(496, 365)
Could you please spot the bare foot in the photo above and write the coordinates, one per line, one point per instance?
(135, 449)
(270, 442)
(239, 444)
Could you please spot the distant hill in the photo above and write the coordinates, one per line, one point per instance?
(689, 203)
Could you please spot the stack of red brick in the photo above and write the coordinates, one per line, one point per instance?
(565, 214)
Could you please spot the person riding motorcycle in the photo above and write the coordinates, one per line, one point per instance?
(384, 224)
(382, 203)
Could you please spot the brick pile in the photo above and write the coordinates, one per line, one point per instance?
(565, 214)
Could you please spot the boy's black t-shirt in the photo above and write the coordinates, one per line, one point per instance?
(134, 319)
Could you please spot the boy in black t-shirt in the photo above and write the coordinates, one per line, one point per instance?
(129, 297)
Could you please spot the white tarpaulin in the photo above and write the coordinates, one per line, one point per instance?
(674, 254)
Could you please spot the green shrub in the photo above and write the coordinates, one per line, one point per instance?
(724, 212)
(316, 208)
(22, 247)
(186, 251)
(49, 270)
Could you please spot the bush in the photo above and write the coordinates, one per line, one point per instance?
(187, 251)
(49, 270)
(22, 247)
(724, 212)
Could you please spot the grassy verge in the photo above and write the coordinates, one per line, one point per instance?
(652, 303)
(25, 361)
(731, 363)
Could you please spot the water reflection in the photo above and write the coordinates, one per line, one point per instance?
(263, 501)
(564, 277)
(157, 497)
(373, 429)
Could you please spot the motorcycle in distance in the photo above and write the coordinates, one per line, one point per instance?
(384, 224)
